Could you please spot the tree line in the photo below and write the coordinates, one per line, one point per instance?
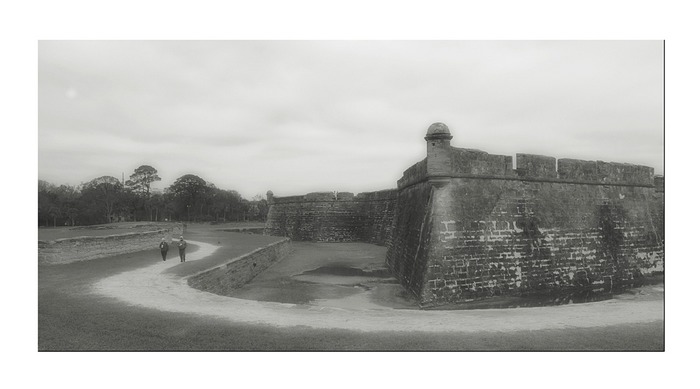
(106, 199)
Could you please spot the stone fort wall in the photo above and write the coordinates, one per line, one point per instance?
(464, 224)
(333, 217)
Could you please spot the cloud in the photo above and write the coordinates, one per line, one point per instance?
(253, 115)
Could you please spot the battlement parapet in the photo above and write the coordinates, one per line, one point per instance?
(387, 194)
(480, 163)
(536, 166)
(315, 197)
(414, 174)
(463, 224)
(345, 196)
(318, 197)
(625, 173)
(444, 161)
(289, 199)
(471, 163)
(333, 216)
(659, 184)
(578, 170)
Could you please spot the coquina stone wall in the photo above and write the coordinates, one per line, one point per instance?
(488, 238)
(333, 217)
(469, 226)
(83, 248)
(464, 224)
(241, 270)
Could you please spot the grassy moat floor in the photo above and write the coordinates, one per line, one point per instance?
(320, 297)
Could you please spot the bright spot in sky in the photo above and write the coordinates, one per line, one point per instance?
(71, 93)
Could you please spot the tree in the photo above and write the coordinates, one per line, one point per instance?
(169, 205)
(47, 201)
(57, 204)
(225, 204)
(106, 199)
(208, 197)
(188, 191)
(127, 204)
(140, 181)
(156, 206)
(103, 193)
(140, 184)
(236, 206)
(67, 204)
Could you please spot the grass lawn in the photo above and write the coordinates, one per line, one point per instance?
(73, 318)
(62, 232)
(51, 233)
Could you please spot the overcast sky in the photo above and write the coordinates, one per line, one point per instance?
(297, 117)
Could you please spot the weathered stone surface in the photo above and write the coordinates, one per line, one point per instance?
(625, 173)
(239, 271)
(327, 217)
(659, 183)
(536, 166)
(578, 170)
(414, 174)
(407, 252)
(508, 237)
(462, 225)
(479, 163)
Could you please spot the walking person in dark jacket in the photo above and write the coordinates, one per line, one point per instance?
(182, 245)
(163, 248)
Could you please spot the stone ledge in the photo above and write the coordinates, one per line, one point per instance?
(222, 279)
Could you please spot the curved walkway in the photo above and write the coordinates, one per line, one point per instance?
(150, 287)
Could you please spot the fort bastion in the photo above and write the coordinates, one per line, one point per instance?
(463, 224)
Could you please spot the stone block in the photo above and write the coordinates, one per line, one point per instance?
(536, 166)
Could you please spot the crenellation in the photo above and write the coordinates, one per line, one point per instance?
(414, 174)
(479, 163)
(462, 224)
(577, 170)
(624, 173)
(536, 166)
(444, 160)
(659, 184)
(333, 217)
(320, 196)
(345, 196)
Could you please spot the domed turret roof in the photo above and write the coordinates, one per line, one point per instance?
(438, 130)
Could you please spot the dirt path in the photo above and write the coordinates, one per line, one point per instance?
(151, 287)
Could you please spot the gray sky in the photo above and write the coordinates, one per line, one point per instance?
(297, 117)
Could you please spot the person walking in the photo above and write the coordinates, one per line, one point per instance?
(163, 248)
(182, 245)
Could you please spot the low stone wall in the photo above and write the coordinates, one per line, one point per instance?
(239, 271)
(84, 248)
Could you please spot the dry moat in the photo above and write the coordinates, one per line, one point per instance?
(354, 276)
